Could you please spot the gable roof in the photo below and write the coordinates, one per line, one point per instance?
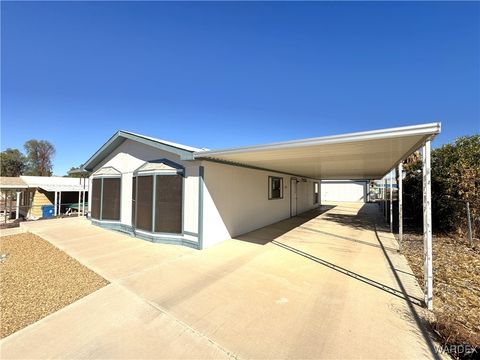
(185, 152)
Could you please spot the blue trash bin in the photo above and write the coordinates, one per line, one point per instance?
(47, 211)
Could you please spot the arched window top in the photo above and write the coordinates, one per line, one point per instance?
(160, 167)
(107, 171)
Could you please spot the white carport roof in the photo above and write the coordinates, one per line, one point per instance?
(62, 188)
(361, 155)
(54, 183)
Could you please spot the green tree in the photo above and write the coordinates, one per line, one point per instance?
(75, 173)
(39, 157)
(455, 180)
(12, 162)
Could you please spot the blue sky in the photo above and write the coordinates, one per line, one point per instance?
(226, 74)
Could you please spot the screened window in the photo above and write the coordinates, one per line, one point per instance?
(158, 203)
(144, 200)
(275, 187)
(96, 198)
(315, 192)
(168, 204)
(106, 198)
(111, 199)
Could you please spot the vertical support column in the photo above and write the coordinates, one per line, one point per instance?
(385, 200)
(400, 205)
(17, 209)
(55, 205)
(10, 206)
(427, 227)
(391, 200)
(59, 203)
(79, 202)
(201, 177)
(83, 203)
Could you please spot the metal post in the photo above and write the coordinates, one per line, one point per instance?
(5, 206)
(385, 200)
(59, 203)
(469, 223)
(427, 227)
(10, 206)
(55, 204)
(17, 210)
(391, 200)
(400, 205)
(78, 205)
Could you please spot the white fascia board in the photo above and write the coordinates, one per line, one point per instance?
(428, 130)
(13, 186)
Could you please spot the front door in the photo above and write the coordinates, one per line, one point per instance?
(293, 197)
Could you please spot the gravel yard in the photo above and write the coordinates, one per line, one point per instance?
(456, 286)
(37, 279)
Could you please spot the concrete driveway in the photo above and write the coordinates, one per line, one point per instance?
(326, 284)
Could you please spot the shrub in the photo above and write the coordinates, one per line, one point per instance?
(455, 180)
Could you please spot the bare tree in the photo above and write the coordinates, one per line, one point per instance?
(39, 157)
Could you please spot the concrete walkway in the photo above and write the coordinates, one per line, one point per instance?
(326, 284)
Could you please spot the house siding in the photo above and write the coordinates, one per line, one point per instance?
(236, 201)
(40, 198)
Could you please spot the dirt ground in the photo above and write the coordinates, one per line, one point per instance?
(456, 291)
(37, 279)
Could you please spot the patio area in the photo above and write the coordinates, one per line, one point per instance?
(326, 284)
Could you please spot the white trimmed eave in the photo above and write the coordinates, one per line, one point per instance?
(361, 155)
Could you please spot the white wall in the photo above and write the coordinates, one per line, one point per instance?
(344, 190)
(236, 201)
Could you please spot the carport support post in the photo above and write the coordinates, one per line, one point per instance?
(79, 202)
(391, 200)
(400, 205)
(427, 226)
(17, 209)
(59, 203)
(83, 203)
(385, 200)
(55, 204)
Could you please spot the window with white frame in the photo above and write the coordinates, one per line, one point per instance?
(275, 188)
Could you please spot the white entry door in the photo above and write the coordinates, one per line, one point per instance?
(293, 197)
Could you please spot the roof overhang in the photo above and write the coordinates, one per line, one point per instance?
(62, 188)
(185, 152)
(361, 155)
(12, 183)
(11, 187)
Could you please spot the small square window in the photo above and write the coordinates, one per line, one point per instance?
(275, 188)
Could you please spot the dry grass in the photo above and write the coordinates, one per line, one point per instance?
(456, 291)
(37, 279)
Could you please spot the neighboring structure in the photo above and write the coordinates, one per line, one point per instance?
(345, 190)
(33, 193)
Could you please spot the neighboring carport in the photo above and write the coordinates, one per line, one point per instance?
(357, 156)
